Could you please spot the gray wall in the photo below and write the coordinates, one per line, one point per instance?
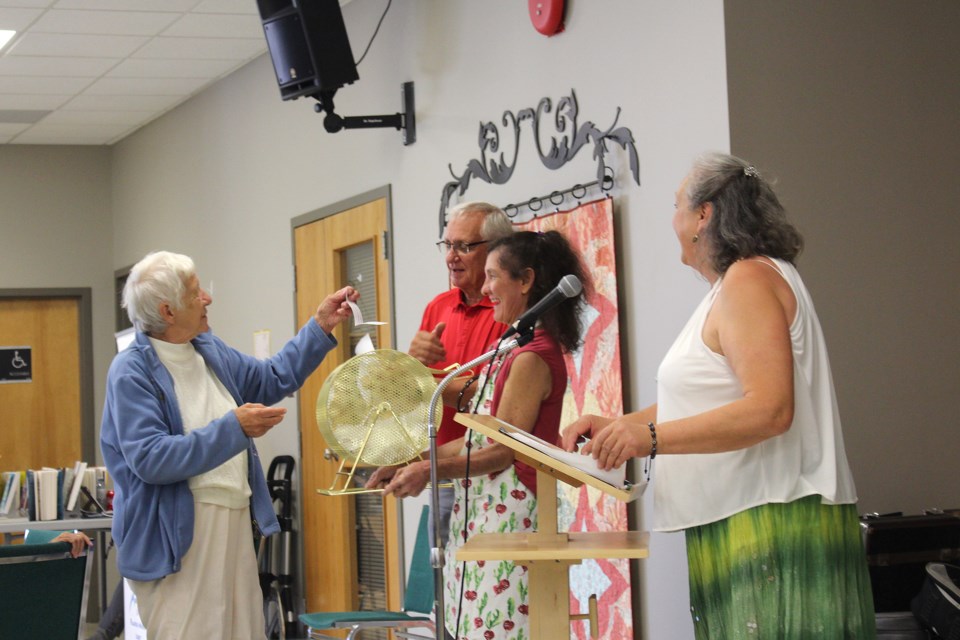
(56, 232)
(854, 106)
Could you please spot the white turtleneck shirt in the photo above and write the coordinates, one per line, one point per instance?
(203, 398)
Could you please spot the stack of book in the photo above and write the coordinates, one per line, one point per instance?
(53, 494)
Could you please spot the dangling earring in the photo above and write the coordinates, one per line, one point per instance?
(696, 238)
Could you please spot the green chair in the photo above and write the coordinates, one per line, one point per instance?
(417, 601)
(45, 591)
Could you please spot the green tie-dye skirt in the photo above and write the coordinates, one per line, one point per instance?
(781, 572)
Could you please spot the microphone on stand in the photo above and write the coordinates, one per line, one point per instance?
(568, 287)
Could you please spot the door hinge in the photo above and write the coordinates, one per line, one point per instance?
(385, 244)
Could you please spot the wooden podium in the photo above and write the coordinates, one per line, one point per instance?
(548, 553)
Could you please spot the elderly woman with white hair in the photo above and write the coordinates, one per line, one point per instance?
(181, 412)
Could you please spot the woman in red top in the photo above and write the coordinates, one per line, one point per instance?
(525, 389)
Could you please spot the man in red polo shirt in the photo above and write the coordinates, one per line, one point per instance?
(458, 324)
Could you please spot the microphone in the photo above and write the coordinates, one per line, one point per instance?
(568, 287)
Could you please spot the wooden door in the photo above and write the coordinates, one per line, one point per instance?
(42, 418)
(329, 522)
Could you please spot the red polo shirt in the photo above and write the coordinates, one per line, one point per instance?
(471, 331)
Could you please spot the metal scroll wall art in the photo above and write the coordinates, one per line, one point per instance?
(568, 139)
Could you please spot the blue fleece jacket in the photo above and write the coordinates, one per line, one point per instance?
(150, 459)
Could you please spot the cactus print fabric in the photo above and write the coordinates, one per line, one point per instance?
(495, 591)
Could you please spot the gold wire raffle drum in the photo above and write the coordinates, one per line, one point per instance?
(374, 408)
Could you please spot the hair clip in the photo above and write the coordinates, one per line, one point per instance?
(750, 171)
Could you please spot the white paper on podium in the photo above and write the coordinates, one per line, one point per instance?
(614, 477)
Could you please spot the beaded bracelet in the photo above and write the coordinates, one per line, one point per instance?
(653, 437)
(460, 407)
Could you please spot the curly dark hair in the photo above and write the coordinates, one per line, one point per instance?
(748, 219)
(551, 257)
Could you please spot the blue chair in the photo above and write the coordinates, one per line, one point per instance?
(44, 591)
(417, 601)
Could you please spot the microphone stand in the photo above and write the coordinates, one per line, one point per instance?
(436, 552)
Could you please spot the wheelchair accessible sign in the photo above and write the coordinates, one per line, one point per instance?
(16, 364)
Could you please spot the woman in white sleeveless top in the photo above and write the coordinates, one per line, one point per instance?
(753, 467)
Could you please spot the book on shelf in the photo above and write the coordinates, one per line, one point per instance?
(11, 494)
(79, 470)
(47, 491)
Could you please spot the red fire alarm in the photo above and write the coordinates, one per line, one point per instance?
(546, 15)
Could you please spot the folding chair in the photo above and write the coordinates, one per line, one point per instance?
(417, 601)
(45, 591)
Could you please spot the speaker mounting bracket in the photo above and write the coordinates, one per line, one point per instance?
(405, 121)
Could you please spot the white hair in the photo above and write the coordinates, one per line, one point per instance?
(495, 223)
(160, 277)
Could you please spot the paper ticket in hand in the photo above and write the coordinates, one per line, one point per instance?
(358, 317)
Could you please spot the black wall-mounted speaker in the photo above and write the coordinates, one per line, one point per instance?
(308, 44)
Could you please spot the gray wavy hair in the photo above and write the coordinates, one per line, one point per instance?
(495, 224)
(748, 219)
(159, 277)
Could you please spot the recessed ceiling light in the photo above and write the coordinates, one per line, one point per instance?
(5, 37)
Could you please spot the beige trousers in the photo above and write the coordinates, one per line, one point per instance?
(216, 593)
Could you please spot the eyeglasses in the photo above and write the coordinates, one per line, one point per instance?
(462, 248)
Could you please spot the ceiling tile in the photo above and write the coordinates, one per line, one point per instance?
(60, 44)
(23, 117)
(95, 71)
(17, 19)
(44, 66)
(145, 86)
(61, 137)
(99, 130)
(129, 5)
(227, 6)
(151, 68)
(9, 129)
(27, 103)
(127, 118)
(121, 23)
(130, 103)
(14, 85)
(38, 4)
(199, 25)
(203, 49)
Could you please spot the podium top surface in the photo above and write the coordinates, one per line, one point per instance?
(499, 431)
